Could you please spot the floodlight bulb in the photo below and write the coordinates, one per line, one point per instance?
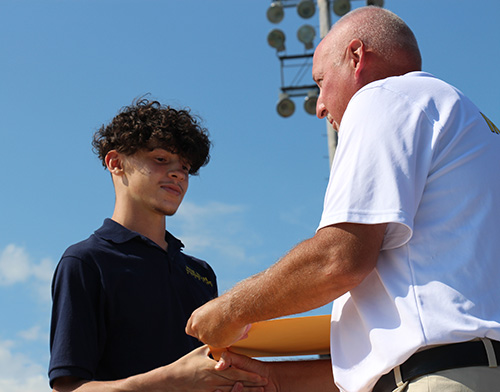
(306, 9)
(276, 39)
(306, 35)
(341, 7)
(275, 12)
(310, 101)
(285, 106)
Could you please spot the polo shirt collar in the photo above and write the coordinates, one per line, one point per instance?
(113, 231)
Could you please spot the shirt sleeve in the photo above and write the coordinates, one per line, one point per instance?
(77, 333)
(381, 164)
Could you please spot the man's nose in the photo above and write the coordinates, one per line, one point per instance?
(321, 111)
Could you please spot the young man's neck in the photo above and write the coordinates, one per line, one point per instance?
(152, 227)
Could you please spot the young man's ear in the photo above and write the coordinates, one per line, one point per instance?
(114, 162)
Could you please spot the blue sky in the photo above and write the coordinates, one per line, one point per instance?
(68, 66)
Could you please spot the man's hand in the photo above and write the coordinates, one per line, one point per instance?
(314, 273)
(229, 359)
(290, 376)
(213, 324)
(197, 372)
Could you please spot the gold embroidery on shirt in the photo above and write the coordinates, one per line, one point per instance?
(492, 126)
(204, 279)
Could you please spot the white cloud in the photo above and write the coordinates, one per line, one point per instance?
(18, 373)
(217, 233)
(34, 333)
(16, 267)
(37, 383)
(43, 271)
(216, 227)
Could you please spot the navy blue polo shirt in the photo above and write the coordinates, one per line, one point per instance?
(121, 303)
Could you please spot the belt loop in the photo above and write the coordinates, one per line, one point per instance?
(490, 352)
(397, 376)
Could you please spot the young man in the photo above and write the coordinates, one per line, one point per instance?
(122, 297)
(407, 245)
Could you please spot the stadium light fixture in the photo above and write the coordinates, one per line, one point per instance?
(306, 35)
(341, 7)
(310, 101)
(285, 106)
(306, 8)
(275, 12)
(276, 39)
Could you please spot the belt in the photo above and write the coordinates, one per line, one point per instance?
(450, 356)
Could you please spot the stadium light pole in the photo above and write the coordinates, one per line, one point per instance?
(305, 34)
(325, 23)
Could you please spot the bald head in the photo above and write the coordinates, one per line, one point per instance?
(367, 44)
(384, 34)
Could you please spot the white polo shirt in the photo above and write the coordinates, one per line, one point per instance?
(417, 154)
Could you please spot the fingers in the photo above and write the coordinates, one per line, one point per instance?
(210, 324)
(243, 362)
(192, 323)
(234, 367)
(227, 359)
(245, 332)
(189, 328)
(216, 352)
(223, 362)
(246, 377)
(238, 387)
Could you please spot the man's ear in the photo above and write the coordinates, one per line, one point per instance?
(357, 56)
(114, 162)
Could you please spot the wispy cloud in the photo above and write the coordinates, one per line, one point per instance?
(215, 227)
(35, 333)
(14, 265)
(17, 267)
(217, 233)
(18, 270)
(18, 373)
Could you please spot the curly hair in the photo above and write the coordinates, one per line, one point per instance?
(149, 125)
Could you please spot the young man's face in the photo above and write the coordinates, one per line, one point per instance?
(155, 181)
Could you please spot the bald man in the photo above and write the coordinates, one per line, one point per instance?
(406, 247)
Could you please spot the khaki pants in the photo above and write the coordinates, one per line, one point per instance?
(469, 379)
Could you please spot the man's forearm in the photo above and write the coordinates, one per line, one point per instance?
(294, 284)
(313, 274)
(299, 282)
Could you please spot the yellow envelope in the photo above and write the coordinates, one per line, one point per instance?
(308, 335)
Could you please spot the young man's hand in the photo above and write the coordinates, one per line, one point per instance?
(197, 372)
(194, 372)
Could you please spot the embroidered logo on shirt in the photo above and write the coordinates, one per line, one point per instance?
(492, 126)
(203, 279)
